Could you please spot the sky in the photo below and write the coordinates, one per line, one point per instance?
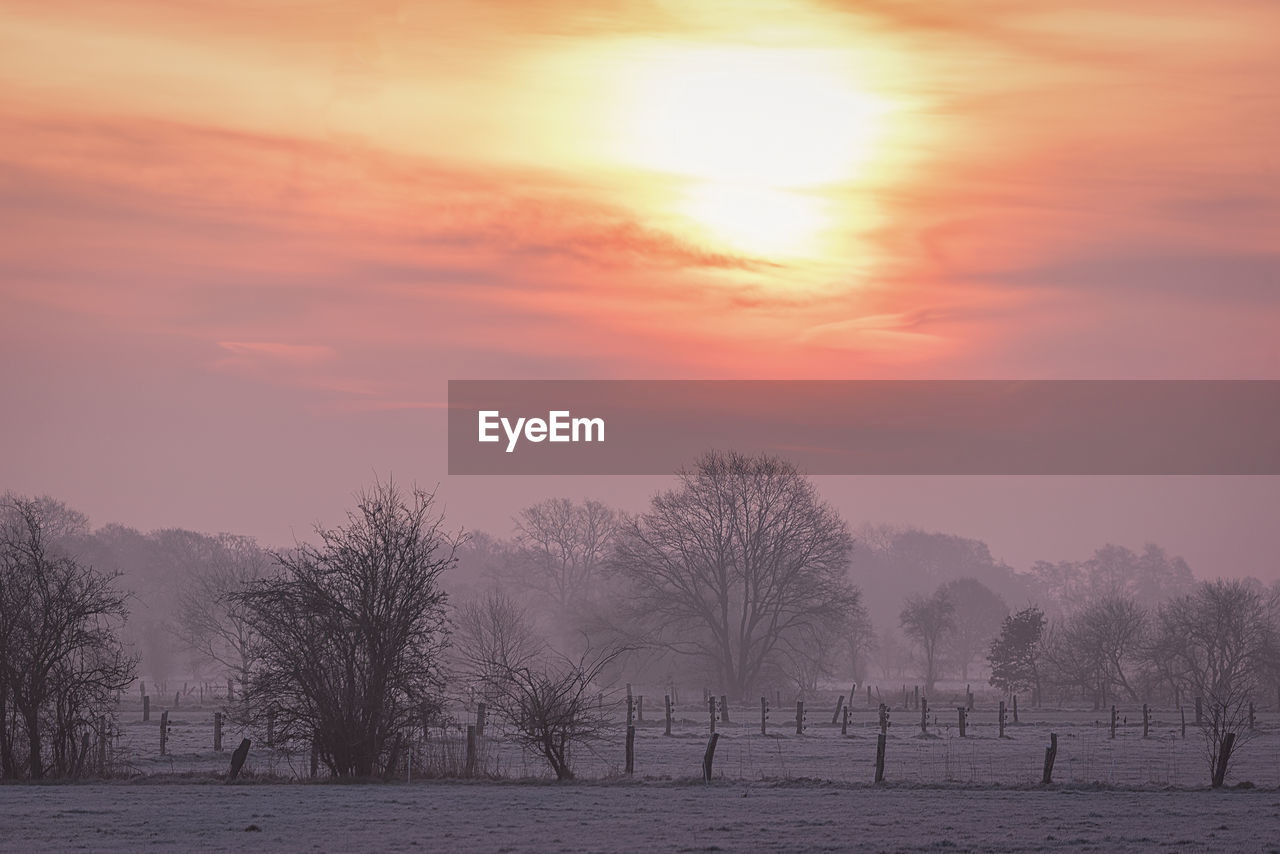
(243, 246)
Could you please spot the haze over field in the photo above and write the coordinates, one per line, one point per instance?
(243, 246)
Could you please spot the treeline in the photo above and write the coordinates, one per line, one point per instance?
(740, 577)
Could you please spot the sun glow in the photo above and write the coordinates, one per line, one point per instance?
(754, 134)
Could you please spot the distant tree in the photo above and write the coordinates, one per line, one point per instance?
(861, 641)
(739, 563)
(1015, 655)
(926, 621)
(352, 632)
(210, 620)
(978, 612)
(550, 701)
(61, 661)
(564, 546)
(1098, 649)
(1219, 643)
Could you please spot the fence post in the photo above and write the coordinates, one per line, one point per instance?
(884, 719)
(799, 717)
(238, 758)
(711, 707)
(709, 756)
(964, 714)
(668, 700)
(471, 749)
(1050, 754)
(631, 710)
(164, 730)
(1002, 716)
(217, 732)
(176, 696)
(844, 721)
(146, 708)
(924, 716)
(724, 709)
(968, 699)
(835, 716)
(640, 708)
(1184, 722)
(631, 749)
(1015, 708)
(1146, 721)
(102, 746)
(1113, 721)
(764, 715)
(868, 696)
(880, 743)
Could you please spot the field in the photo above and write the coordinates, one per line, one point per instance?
(779, 791)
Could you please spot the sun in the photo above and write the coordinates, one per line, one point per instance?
(753, 133)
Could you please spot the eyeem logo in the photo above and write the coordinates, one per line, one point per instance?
(559, 426)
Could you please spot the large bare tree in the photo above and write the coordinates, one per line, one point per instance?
(352, 632)
(61, 661)
(1098, 650)
(1218, 642)
(738, 562)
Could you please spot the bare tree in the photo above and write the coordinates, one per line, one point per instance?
(210, 620)
(61, 661)
(926, 621)
(352, 632)
(564, 545)
(551, 701)
(1098, 649)
(1218, 642)
(978, 613)
(739, 561)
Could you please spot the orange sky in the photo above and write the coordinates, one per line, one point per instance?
(237, 237)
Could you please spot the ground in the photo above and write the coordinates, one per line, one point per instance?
(662, 816)
(775, 791)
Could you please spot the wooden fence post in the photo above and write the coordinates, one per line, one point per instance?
(631, 749)
(1050, 754)
(668, 701)
(884, 719)
(1146, 721)
(1184, 722)
(1015, 708)
(217, 732)
(844, 721)
(868, 696)
(711, 707)
(1114, 717)
(176, 696)
(164, 731)
(237, 759)
(968, 699)
(146, 708)
(964, 715)
(764, 715)
(724, 709)
(880, 743)
(102, 746)
(709, 756)
(924, 715)
(631, 710)
(835, 716)
(640, 708)
(799, 717)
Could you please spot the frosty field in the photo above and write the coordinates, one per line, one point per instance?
(664, 816)
(779, 791)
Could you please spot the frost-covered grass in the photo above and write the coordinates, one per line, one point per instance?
(622, 816)
(1086, 752)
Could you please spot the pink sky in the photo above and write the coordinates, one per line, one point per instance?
(244, 245)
